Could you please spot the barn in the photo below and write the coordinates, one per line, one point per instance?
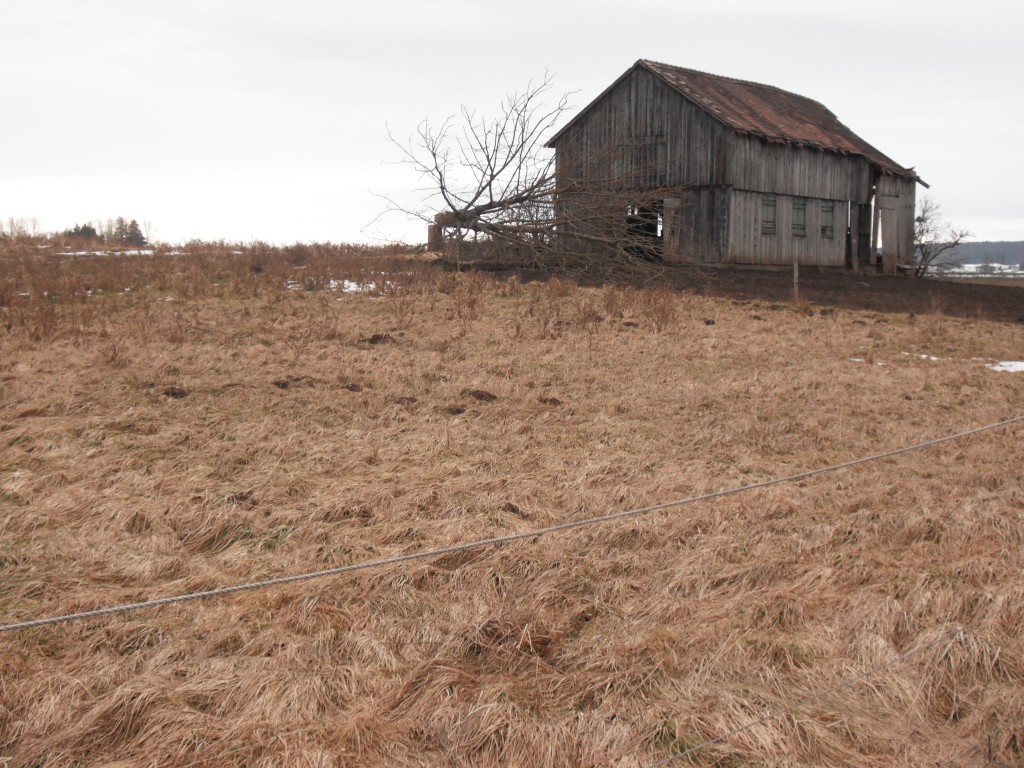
(714, 171)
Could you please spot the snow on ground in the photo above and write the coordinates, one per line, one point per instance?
(1008, 366)
(348, 286)
(134, 252)
(345, 286)
(1005, 366)
(981, 270)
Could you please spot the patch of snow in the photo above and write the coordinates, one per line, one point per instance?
(345, 286)
(982, 270)
(933, 358)
(349, 286)
(129, 252)
(856, 359)
(1008, 366)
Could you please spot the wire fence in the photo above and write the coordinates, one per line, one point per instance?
(494, 540)
(945, 637)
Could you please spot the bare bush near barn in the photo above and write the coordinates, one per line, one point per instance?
(935, 239)
(231, 418)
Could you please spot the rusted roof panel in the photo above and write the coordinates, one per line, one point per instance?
(765, 111)
(770, 113)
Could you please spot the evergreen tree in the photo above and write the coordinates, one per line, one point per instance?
(133, 234)
(82, 231)
(120, 230)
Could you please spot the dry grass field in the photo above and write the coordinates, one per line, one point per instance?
(181, 421)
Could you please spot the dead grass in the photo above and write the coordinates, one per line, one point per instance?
(211, 426)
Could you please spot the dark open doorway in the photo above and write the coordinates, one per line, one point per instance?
(645, 225)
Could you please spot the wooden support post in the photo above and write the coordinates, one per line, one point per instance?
(435, 238)
(796, 278)
(864, 235)
(875, 223)
(853, 244)
(671, 232)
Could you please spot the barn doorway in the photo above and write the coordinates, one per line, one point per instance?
(645, 226)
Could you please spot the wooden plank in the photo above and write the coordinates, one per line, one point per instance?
(854, 241)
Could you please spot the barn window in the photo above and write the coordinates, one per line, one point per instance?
(828, 219)
(768, 214)
(800, 217)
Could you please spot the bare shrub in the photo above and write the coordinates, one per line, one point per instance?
(614, 301)
(587, 318)
(658, 307)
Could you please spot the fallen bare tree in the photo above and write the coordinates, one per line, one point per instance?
(492, 192)
(488, 179)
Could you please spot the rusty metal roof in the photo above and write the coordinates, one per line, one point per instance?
(765, 111)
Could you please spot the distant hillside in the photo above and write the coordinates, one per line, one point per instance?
(1011, 254)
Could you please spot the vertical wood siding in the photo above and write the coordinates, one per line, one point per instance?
(758, 166)
(698, 231)
(643, 135)
(748, 245)
(896, 198)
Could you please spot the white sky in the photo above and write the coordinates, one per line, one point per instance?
(266, 120)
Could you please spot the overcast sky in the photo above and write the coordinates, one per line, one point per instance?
(267, 120)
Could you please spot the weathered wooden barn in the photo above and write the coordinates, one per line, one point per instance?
(722, 171)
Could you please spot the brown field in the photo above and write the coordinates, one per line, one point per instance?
(175, 423)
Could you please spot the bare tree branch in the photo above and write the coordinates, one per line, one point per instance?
(935, 239)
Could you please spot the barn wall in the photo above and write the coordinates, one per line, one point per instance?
(896, 199)
(642, 140)
(643, 135)
(697, 225)
(748, 245)
(757, 166)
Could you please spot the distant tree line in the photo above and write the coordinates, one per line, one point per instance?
(1009, 253)
(117, 231)
(18, 228)
(82, 231)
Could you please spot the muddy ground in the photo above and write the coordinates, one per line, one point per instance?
(998, 300)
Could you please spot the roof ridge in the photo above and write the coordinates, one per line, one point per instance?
(740, 80)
